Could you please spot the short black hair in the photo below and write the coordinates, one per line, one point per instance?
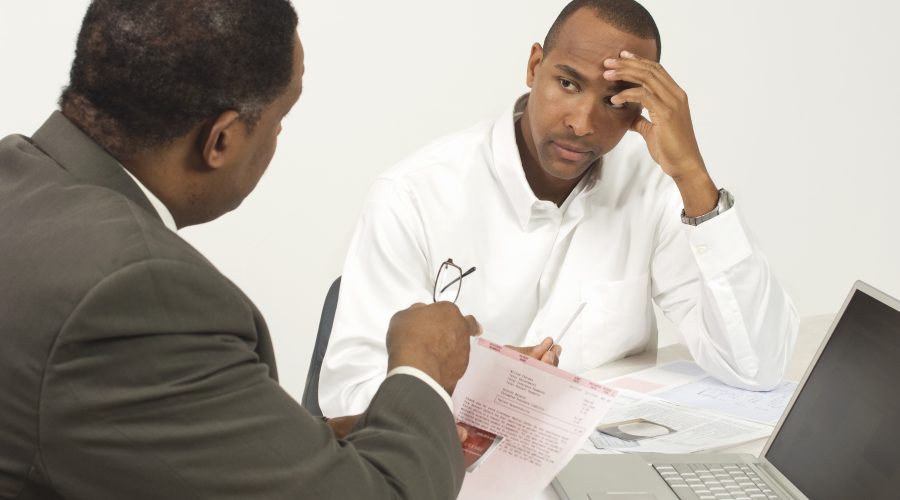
(148, 71)
(624, 15)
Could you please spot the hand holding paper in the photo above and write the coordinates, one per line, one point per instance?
(531, 418)
(433, 338)
(546, 351)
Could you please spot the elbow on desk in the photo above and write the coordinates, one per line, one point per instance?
(768, 374)
(771, 369)
(764, 380)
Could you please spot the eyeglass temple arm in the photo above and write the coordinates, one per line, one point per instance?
(463, 275)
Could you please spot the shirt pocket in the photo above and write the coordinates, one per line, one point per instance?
(617, 319)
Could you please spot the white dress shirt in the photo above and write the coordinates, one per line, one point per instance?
(161, 209)
(617, 244)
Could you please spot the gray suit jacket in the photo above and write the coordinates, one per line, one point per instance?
(131, 368)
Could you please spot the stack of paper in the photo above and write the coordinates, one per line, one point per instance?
(678, 408)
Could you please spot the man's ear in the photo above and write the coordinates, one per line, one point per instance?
(537, 55)
(218, 139)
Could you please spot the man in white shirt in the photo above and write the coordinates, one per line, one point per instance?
(557, 207)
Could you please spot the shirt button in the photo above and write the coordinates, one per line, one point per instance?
(701, 249)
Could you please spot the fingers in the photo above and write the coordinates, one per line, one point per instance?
(546, 351)
(542, 348)
(433, 338)
(462, 433)
(641, 125)
(474, 326)
(453, 309)
(535, 351)
(551, 357)
(648, 74)
(646, 99)
(641, 71)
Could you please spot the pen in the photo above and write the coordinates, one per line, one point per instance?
(568, 324)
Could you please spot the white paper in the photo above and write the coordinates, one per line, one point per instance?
(659, 378)
(544, 415)
(677, 429)
(710, 394)
(686, 383)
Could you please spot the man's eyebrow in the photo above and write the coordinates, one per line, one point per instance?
(572, 72)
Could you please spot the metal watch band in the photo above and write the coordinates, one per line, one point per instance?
(726, 201)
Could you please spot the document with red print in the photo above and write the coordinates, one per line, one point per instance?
(536, 416)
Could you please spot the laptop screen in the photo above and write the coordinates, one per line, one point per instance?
(841, 438)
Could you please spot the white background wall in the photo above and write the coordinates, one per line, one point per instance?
(795, 104)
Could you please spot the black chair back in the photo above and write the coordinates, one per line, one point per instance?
(311, 391)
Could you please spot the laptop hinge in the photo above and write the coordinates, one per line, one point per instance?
(777, 479)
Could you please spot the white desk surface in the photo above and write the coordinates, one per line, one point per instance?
(812, 331)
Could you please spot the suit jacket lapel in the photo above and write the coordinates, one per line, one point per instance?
(85, 160)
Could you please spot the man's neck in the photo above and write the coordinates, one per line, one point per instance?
(161, 209)
(163, 172)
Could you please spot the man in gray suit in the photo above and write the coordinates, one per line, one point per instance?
(129, 366)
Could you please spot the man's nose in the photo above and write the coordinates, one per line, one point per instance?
(581, 118)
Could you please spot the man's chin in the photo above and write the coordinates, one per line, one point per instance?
(566, 171)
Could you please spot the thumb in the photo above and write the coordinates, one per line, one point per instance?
(540, 349)
(535, 351)
(462, 433)
(642, 126)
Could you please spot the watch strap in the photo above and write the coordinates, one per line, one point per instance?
(725, 201)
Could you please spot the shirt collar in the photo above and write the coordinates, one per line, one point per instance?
(158, 205)
(508, 168)
(507, 163)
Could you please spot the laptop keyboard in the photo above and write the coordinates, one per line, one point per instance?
(715, 482)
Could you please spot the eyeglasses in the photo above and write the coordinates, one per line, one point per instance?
(448, 281)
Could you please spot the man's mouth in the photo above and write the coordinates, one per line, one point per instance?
(570, 152)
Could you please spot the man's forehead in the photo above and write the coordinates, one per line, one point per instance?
(587, 37)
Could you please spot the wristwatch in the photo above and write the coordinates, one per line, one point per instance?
(725, 202)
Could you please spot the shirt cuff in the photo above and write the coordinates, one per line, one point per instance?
(719, 243)
(424, 377)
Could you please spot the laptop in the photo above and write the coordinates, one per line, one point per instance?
(839, 437)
